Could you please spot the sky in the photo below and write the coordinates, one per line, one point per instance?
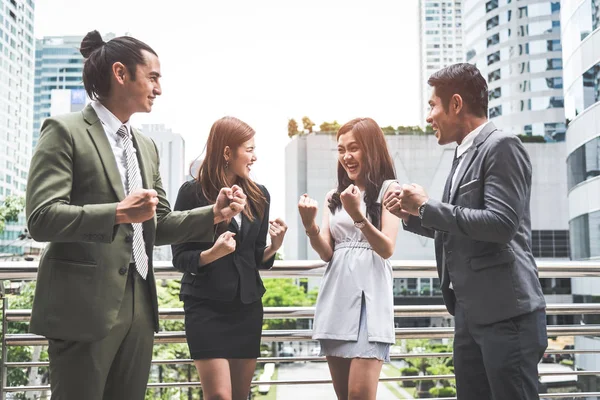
(263, 61)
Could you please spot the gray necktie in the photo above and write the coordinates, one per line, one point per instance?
(134, 181)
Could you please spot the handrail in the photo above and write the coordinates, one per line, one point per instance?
(285, 335)
(27, 270)
(401, 356)
(23, 315)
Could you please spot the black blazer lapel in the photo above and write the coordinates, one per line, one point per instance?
(98, 136)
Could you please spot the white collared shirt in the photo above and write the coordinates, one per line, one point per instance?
(464, 146)
(111, 125)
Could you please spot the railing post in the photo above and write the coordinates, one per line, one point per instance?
(3, 360)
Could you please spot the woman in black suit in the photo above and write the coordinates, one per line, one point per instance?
(221, 288)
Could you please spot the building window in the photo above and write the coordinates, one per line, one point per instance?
(494, 75)
(495, 93)
(585, 243)
(554, 64)
(492, 58)
(493, 40)
(550, 244)
(490, 5)
(584, 163)
(554, 45)
(470, 54)
(492, 22)
(495, 111)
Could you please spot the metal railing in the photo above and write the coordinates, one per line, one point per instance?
(24, 271)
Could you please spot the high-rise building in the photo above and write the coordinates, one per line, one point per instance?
(440, 40)
(516, 45)
(58, 66)
(581, 52)
(171, 150)
(17, 59)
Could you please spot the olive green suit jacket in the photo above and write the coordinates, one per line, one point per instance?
(72, 193)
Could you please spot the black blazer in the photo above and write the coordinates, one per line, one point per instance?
(236, 273)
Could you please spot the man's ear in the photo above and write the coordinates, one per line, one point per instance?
(456, 104)
(119, 72)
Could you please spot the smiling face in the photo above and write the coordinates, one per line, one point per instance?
(240, 163)
(445, 123)
(143, 90)
(350, 156)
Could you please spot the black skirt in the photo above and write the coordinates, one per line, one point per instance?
(222, 329)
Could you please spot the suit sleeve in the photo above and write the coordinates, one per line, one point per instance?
(507, 185)
(50, 216)
(414, 226)
(191, 225)
(261, 239)
(186, 256)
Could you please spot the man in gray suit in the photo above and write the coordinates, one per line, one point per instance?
(482, 232)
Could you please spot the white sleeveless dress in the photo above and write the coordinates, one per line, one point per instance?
(354, 315)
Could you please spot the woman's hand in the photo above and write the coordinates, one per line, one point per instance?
(351, 202)
(308, 208)
(277, 230)
(225, 244)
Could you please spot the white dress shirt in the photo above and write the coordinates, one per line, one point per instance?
(111, 125)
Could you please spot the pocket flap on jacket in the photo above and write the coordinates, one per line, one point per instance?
(490, 260)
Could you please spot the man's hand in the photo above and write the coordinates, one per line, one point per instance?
(391, 202)
(411, 198)
(138, 206)
(230, 202)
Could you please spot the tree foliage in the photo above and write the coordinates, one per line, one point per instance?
(292, 127)
(10, 209)
(307, 124)
(329, 127)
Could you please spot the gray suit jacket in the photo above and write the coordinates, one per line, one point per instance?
(483, 235)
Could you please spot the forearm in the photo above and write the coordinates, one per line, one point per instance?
(269, 253)
(483, 225)
(319, 244)
(379, 242)
(414, 225)
(59, 222)
(194, 225)
(207, 257)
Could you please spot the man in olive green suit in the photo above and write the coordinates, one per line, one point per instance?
(95, 193)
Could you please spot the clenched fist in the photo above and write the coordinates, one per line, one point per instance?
(138, 206)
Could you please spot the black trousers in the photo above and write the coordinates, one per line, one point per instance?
(499, 361)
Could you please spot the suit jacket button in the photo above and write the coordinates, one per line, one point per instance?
(129, 239)
(122, 270)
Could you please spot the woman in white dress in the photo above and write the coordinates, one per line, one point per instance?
(354, 316)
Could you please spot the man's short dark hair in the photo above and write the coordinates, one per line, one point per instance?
(465, 80)
(100, 57)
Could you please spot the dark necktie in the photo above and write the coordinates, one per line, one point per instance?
(448, 187)
(134, 181)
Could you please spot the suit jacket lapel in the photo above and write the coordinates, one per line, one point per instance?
(464, 166)
(147, 181)
(98, 136)
(246, 225)
(469, 157)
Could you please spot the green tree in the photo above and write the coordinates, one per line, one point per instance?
(292, 127)
(307, 124)
(532, 138)
(284, 293)
(388, 130)
(329, 127)
(10, 209)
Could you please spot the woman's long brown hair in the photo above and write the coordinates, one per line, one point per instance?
(211, 177)
(377, 166)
